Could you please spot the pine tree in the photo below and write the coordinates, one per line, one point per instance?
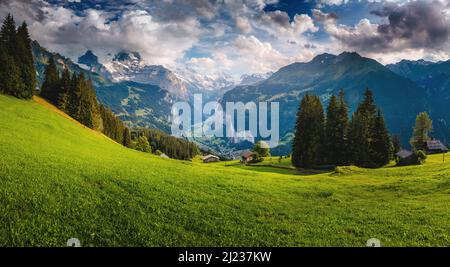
(358, 140)
(362, 128)
(396, 144)
(9, 72)
(88, 113)
(126, 137)
(343, 155)
(368, 137)
(75, 95)
(10, 76)
(51, 86)
(381, 150)
(26, 62)
(331, 132)
(423, 126)
(64, 92)
(309, 131)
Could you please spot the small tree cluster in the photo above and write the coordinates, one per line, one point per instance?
(261, 150)
(364, 140)
(171, 146)
(75, 95)
(17, 71)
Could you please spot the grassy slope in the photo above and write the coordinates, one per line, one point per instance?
(59, 180)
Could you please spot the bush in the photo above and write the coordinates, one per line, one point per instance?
(257, 158)
(143, 145)
(421, 156)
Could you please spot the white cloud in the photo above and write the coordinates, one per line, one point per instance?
(62, 30)
(244, 25)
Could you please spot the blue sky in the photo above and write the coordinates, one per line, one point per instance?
(238, 36)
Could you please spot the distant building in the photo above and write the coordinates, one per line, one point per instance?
(435, 146)
(247, 156)
(406, 157)
(164, 156)
(210, 158)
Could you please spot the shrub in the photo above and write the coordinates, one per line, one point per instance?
(257, 158)
(143, 145)
(421, 156)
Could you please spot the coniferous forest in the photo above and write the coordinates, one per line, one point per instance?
(333, 139)
(17, 72)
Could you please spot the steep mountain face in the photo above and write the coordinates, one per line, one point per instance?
(399, 98)
(42, 55)
(434, 78)
(249, 79)
(90, 61)
(211, 85)
(136, 103)
(130, 67)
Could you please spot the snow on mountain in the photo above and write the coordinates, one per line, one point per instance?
(130, 67)
(211, 85)
(249, 79)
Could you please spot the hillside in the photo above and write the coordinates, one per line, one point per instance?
(60, 180)
(434, 78)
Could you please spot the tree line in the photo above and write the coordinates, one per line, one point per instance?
(17, 71)
(334, 139)
(160, 142)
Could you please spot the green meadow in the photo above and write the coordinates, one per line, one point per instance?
(60, 180)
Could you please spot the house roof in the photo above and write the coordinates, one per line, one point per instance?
(210, 156)
(403, 153)
(247, 154)
(436, 145)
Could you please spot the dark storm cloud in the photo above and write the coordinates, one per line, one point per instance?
(322, 17)
(419, 23)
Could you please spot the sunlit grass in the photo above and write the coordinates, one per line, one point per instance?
(59, 180)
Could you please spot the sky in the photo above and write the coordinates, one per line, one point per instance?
(238, 36)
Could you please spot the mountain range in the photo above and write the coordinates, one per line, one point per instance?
(142, 95)
(400, 94)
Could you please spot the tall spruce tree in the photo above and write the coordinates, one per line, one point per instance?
(331, 134)
(381, 150)
(75, 95)
(10, 76)
(51, 86)
(336, 129)
(308, 140)
(369, 140)
(358, 140)
(361, 131)
(342, 131)
(25, 63)
(9, 72)
(126, 137)
(88, 113)
(64, 91)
